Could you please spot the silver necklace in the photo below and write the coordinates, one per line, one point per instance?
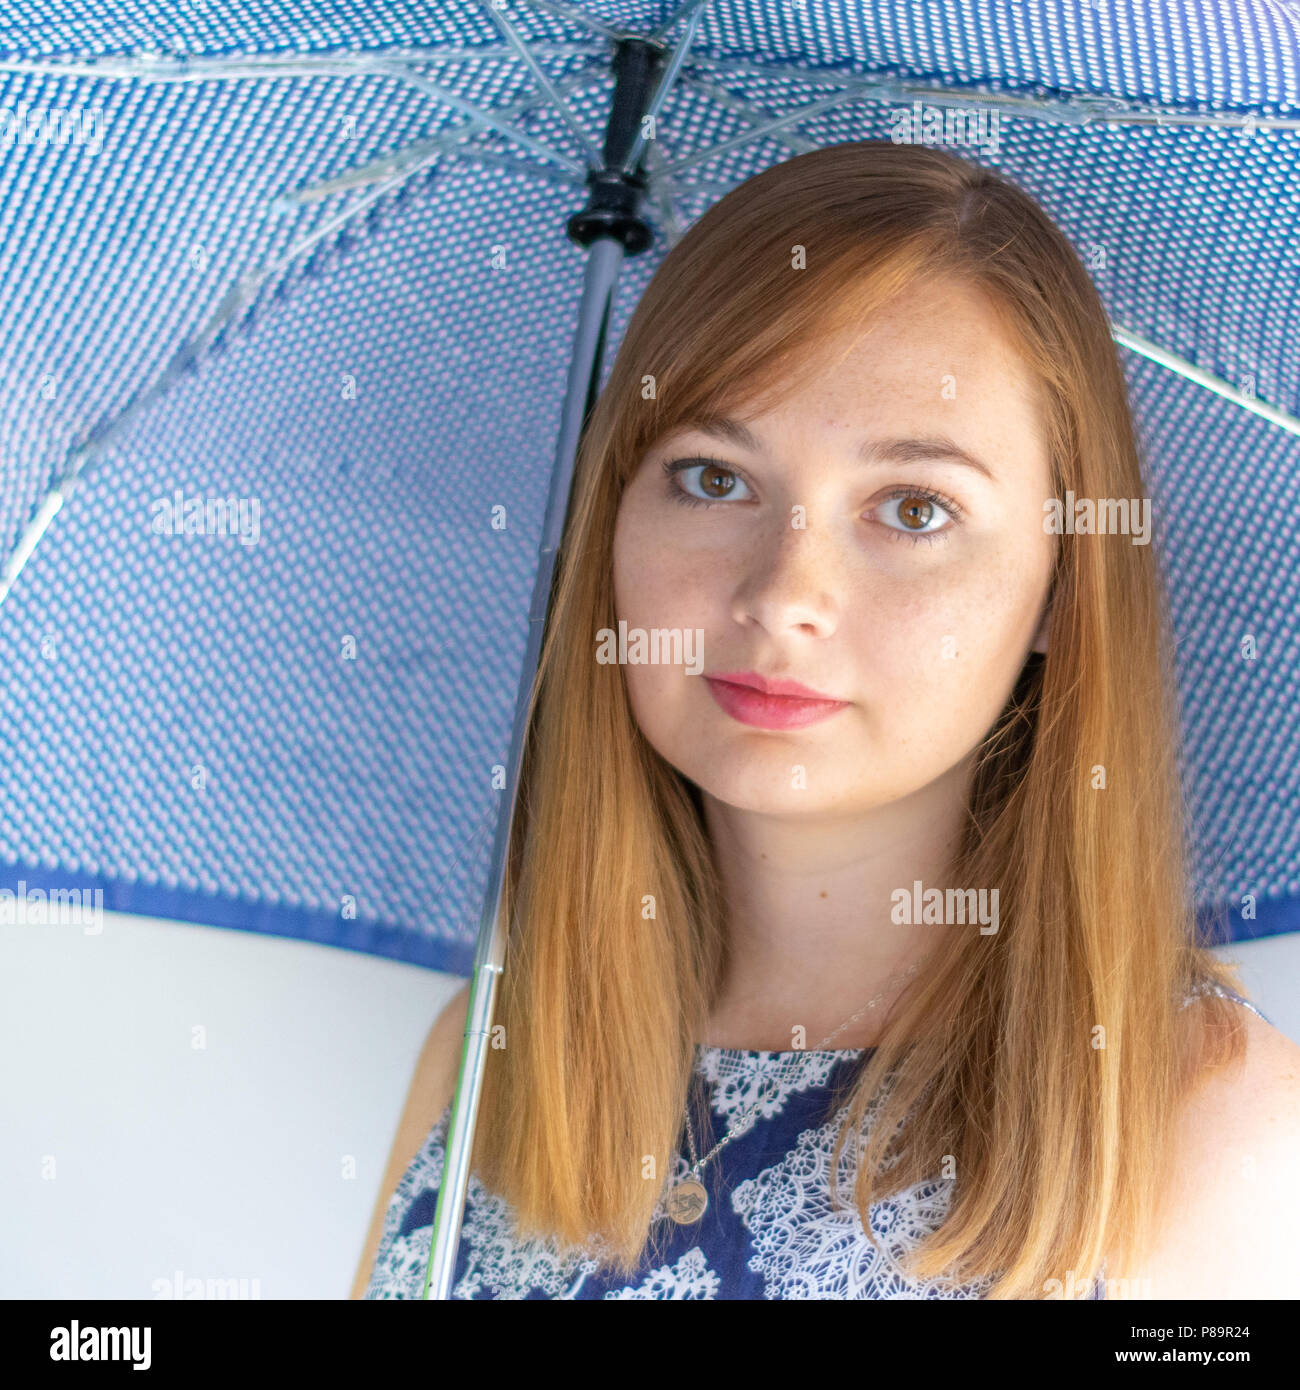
(687, 1200)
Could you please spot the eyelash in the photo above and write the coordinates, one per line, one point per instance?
(674, 466)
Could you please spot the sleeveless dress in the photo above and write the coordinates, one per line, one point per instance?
(769, 1230)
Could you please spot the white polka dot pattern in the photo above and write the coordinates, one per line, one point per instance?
(181, 720)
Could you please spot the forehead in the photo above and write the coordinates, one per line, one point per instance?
(938, 355)
(917, 342)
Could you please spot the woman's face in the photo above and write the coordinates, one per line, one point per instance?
(810, 551)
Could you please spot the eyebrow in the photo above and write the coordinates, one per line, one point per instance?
(901, 450)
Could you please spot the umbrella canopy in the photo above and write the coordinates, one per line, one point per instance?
(287, 306)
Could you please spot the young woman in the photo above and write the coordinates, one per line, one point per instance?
(852, 947)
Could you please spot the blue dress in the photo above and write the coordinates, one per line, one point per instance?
(769, 1230)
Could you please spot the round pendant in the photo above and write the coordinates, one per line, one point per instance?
(687, 1201)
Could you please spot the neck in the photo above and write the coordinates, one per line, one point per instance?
(810, 935)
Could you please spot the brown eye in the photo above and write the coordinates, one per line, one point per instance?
(717, 482)
(704, 483)
(915, 512)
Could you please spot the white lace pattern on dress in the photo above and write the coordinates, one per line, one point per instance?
(800, 1245)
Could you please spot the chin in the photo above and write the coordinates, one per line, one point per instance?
(763, 783)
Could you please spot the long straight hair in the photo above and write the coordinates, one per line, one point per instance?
(1041, 1067)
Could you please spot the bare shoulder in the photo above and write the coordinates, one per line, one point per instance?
(1235, 1208)
(435, 1073)
(432, 1087)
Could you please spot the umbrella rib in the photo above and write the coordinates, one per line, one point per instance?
(777, 123)
(747, 110)
(661, 183)
(366, 174)
(235, 299)
(1216, 384)
(453, 140)
(244, 70)
(1081, 109)
(661, 192)
(241, 68)
(575, 16)
(489, 118)
(666, 80)
(1070, 109)
(691, 7)
(562, 107)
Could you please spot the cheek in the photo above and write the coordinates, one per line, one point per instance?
(658, 586)
(654, 694)
(638, 558)
(941, 654)
(657, 583)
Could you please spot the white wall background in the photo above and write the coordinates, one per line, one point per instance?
(130, 1156)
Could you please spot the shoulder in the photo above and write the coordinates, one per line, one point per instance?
(1234, 1222)
(432, 1088)
(436, 1071)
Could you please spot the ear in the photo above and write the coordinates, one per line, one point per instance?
(1040, 637)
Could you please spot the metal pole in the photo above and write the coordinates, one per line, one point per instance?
(611, 226)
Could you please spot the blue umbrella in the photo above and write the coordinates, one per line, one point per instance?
(302, 311)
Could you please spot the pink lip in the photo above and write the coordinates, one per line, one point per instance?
(770, 704)
(770, 687)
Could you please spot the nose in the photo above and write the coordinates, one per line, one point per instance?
(790, 583)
